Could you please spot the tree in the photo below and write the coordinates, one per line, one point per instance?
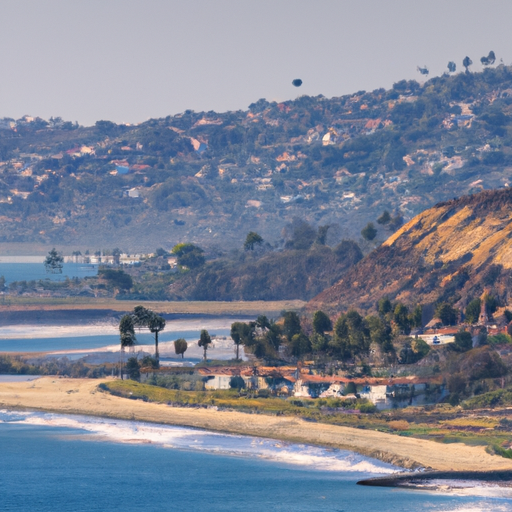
(416, 316)
(180, 347)
(204, 341)
(452, 67)
(118, 279)
(127, 337)
(189, 255)
(473, 311)
(446, 313)
(321, 322)
(351, 336)
(369, 232)
(236, 382)
(242, 334)
(236, 335)
(54, 262)
(300, 345)
(489, 60)
(463, 341)
(384, 218)
(380, 332)
(133, 368)
(156, 323)
(466, 63)
(291, 324)
(251, 240)
(384, 306)
(401, 318)
(126, 331)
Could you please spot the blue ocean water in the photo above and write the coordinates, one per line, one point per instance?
(64, 463)
(36, 271)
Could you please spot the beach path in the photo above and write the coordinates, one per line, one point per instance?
(82, 396)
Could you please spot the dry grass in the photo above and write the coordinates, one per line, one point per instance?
(399, 425)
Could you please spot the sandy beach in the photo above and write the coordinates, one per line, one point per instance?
(82, 396)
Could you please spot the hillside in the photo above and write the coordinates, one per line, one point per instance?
(452, 252)
(209, 178)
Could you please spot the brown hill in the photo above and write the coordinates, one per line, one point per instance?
(453, 251)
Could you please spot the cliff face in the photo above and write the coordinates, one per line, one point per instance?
(449, 252)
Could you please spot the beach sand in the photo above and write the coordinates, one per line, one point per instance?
(82, 396)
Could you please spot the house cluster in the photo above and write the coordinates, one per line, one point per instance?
(301, 382)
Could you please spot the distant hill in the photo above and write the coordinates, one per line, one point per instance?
(452, 252)
(288, 274)
(209, 178)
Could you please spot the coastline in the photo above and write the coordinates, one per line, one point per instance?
(82, 396)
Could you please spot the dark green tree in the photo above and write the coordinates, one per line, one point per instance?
(127, 337)
(369, 232)
(384, 218)
(452, 67)
(300, 345)
(380, 332)
(126, 331)
(351, 336)
(384, 306)
(117, 279)
(204, 341)
(446, 313)
(251, 240)
(237, 333)
(321, 322)
(416, 316)
(180, 347)
(156, 323)
(291, 324)
(463, 341)
(401, 318)
(473, 311)
(54, 262)
(133, 368)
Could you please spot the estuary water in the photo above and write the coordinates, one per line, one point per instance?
(69, 463)
(32, 269)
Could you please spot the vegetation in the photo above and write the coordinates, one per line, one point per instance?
(398, 151)
(54, 262)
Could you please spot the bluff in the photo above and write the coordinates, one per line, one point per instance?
(452, 252)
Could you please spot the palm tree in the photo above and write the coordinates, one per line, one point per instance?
(204, 341)
(156, 323)
(127, 337)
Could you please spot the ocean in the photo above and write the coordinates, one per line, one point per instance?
(56, 463)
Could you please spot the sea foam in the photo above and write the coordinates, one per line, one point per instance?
(123, 431)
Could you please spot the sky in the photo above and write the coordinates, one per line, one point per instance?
(130, 60)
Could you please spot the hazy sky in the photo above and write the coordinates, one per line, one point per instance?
(129, 60)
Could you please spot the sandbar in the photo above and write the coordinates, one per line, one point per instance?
(82, 396)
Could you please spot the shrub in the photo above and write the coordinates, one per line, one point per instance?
(399, 425)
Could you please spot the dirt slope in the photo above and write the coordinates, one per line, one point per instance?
(455, 250)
